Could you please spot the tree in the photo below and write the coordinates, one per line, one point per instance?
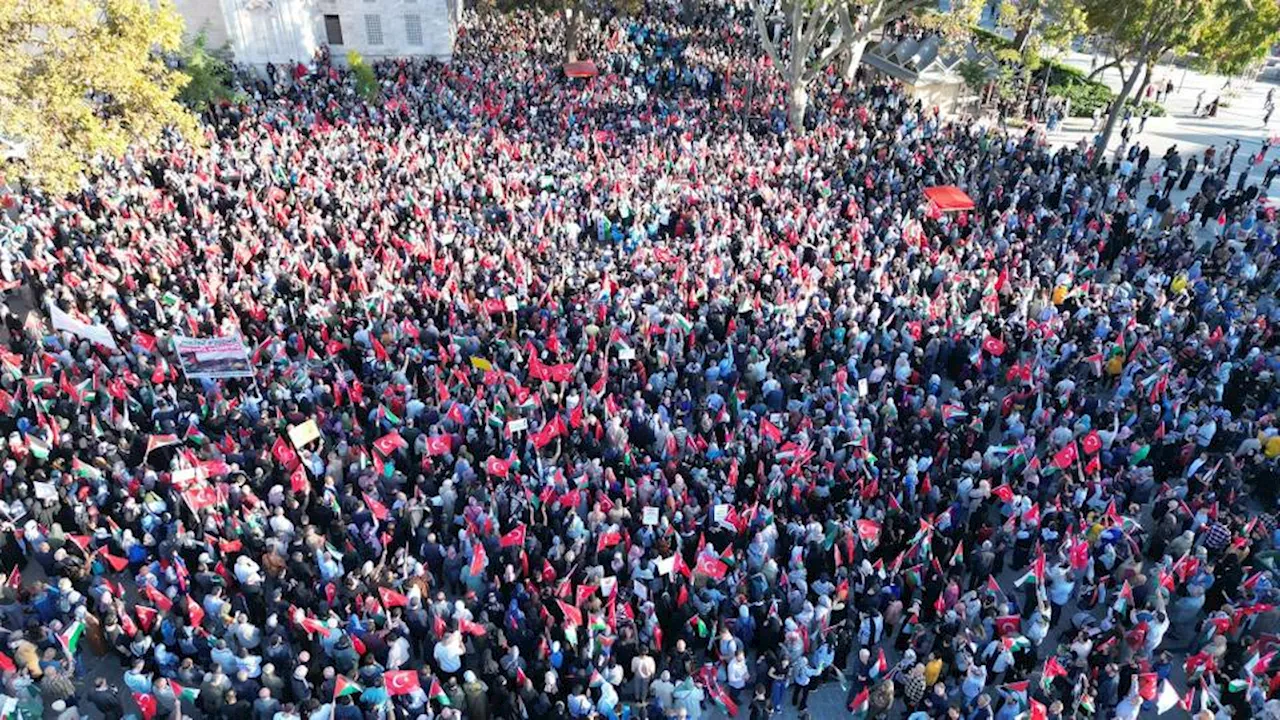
(1240, 36)
(86, 78)
(819, 31)
(210, 74)
(1142, 31)
(362, 73)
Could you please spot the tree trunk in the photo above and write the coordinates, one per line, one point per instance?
(1146, 80)
(572, 20)
(797, 106)
(1102, 68)
(1022, 36)
(1114, 113)
(856, 49)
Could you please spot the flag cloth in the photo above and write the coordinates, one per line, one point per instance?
(1064, 457)
(146, 703)
(514, 538)
(1168, 699)
(155, 442)
(70, 638)
(1147, 686)
(390, 598)
(342, 686)
(378, 509)
(400, 682)
(389, 443)
(437, 692)
(184, 693)
(572, 615)
(479, 559)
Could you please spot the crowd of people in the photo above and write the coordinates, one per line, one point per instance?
(616, 397)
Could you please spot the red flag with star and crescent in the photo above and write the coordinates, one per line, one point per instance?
(400, 682)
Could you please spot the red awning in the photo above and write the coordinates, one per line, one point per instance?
(948, 198)
(581, 69)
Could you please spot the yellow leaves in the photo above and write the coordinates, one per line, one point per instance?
(86, 78)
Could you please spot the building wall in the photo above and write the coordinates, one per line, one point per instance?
(279, 31)
(206, 16)
(391, 28)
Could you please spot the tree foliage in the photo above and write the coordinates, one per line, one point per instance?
(1240, 36)
(366, 80)
(83, 78)
(1140, 32)
(209, 71)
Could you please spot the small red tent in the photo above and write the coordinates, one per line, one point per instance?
(581, 69)
(948, 198)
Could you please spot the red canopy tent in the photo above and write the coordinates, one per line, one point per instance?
(581, 69)
(948, 198)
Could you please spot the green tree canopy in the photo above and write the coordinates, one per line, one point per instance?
(82, 78)
(1240, 35)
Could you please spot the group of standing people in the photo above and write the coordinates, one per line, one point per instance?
(616, 397)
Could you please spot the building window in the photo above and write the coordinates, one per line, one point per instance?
(373, 29)
(413, 29)
(333, 29)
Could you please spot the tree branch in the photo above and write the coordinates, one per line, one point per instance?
(763, 31)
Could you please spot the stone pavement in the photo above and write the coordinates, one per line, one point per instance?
(1240, 119)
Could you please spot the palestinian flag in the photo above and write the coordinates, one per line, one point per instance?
(37, 447)
(70, 638)
(437, 693)
(155, 442)
(343, 687)
(194, 435)
(384, 413)
(184, 693)
(85, 471)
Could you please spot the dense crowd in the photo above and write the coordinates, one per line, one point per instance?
(633, 402)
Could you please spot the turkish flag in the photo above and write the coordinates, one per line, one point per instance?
(1093, 466)
(514, 538)
(770, 431)
(400, 682)
(711, 566)
(1004, 492)
(993, 345)
(389, 443)
(284, 453)
(1147, 685)
(377, 508)
(1064, 457)
(116, 562)
(868, 530)
(390, 598)
(478, 560)
(497, 467)
(1038, 710)
(1091, 443)
(471, 628)
(298, 481)
(584, 593)
(146, 617)
(572, 615)
(157, 598)
(608, 540)
(438, 445)
(194, 612)
(1008, 624)
(146, 703)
